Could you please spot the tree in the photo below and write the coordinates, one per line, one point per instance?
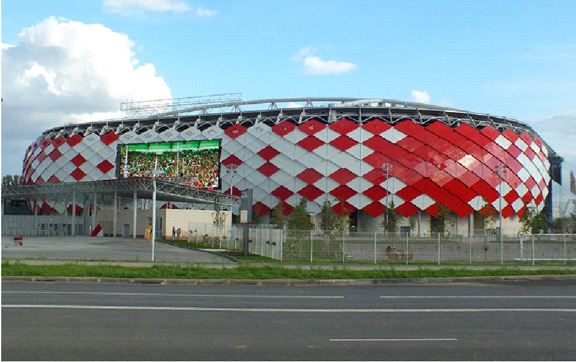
(533, 221)
(299, 219)
(277, 216)
(438, 223)
(330, 220)
(488, 213)
(219, 215)
(390, 222)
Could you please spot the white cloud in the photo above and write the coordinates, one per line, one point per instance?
(128, 7)
(420, 96)
(559, 132)
(205, 12)
(316, 66)
(302, 53)
(62, 71)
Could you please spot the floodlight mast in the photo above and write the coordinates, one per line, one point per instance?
(146, 109)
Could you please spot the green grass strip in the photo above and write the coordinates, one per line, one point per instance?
(255, 272)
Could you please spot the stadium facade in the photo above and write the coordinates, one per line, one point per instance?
(359, 154)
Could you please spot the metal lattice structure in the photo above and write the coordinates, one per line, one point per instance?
(326, 149)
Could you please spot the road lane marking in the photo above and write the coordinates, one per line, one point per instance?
(477, 297)
(287, 310)
(393, 339)
(185, 295)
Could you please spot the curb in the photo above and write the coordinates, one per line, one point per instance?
(290, 282)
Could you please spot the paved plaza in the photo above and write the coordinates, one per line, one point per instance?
(103, 249)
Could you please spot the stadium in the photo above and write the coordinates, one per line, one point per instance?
(362, 155)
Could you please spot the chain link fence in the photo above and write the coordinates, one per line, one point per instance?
(338, 246)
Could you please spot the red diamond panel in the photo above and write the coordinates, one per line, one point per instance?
(311, 192)
(53, 180)
(45, 143)
(310, 176)
(235, 191)
(343, 143)
(78, 160)
(375, 192)
(511, 196)
(344, 126)
(78, 174)
(310, 143)
(54, 155)
(507, 211)
(374, 209)
(260, 208)
(510, 135)
(105, 166)
(282, 193)
(59, 141)
(78, 209)
(462, 191)
(376, 176)
(538, 141)
(74, 140)
(268, 169)
(46, 209)
(407, 209)
(283, 128)
(410, 128)
(235, 131)
(490, 132)
(408, 193)
(268, 153)
(377, 159)
(343, 208)
(377, 126)
(343, 176)
(232, 160)
(311, 127)
(343, 192)
(109, 138)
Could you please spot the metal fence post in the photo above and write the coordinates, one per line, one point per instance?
(311, 247)
(470, 247)
(564, 241)
(407, 250)
(533, 250)
(343, 252)
(438, 248)
(282, 238)
(375, 234)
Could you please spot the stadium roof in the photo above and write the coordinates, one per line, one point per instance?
(226, 110)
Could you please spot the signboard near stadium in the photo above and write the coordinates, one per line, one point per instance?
(197, 160)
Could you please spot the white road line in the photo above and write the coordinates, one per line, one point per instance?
(287, 310)
(477, 297)
(393, 339)
(185, 295)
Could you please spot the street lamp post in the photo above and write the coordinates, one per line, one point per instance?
(387, 168)
(500, 170)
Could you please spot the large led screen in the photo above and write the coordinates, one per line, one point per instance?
(198, 161)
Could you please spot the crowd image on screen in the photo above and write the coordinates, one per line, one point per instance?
(202, 166)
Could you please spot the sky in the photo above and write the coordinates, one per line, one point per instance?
(71, 61)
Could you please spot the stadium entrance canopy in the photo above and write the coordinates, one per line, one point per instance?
(106, 193)
(166, 189)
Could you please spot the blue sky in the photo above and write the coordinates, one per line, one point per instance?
(69, 60)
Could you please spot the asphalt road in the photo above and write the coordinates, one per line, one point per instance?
(505, 320)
